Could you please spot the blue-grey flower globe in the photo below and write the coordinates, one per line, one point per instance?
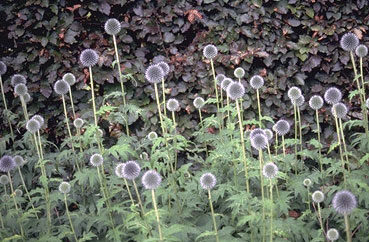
(112, 26)
(259, 141)
(225, 83)
(239, 72)
(332, 95)
(256, 131)
(299, 101)
(17, 79)
(198, 102)
(165, 67)
(152, 135)
(19, 161)
(96, 160)
(61, 87)
(64, 187)
(210, 51)
(307, 182)
(70, 78)
(256, 82)
(235, 90)
(317, 196)
(349, 41)
(20, 89)
(154, 74)
(3, 68)
(316, 102)
(131, 170)
(339, 110)
(27, 97)
(208, 181)
(282, 127)
(4, 180)
(151, 180)
(78, 123)
(7, 163)
(270, 170)
(332, 234)
(39, 119)
(118, 170)
(294, 93)
(269, 134)
(361, 51)
(33, 126)
(89, 57)
(18, 192)
(344, 202)
(173, 105)
(219, 78)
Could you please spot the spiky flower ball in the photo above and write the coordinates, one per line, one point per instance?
(89, 57)
(112, 26)
(339, 110)
(294, 93)
(33, 126)
(27, 97)
(239, 72)
(307, 182)
(61, 87)
(219, 78)
(332, 234)
(96, 160)
(70, 78)
(151, 179)
(332, 95)
(235, 90)
(361, 51)
(173, 105)
(210, 51)
(270, 170)
(225, 83)
(39, 119)
(349, 41)
(208, 181)
(198, 102)
(154, 74)
(164, 66)
(317, 196)
(259, 141)
(299, 101)
(19, 161)
(17, 79)
(256, 82)
(256, 131)
(316, 102)
(64, 187)
(3, 68)
(131, 170)
(4, 180)
(344, 202)
(78, 123)
(152, 135)
(18, 192)
(282, 127)
(7, 163)
(118, 170)
(20, 89)
(269, 134)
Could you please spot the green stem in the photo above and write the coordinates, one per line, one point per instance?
(93, 95)
(364, 108)
(348, 230)
(295, 118)
(69, 218)
(228, 111)
(164, 102)
(213, 216)
(320, 219)
(206, 145)
(340, 148)
(276, 144)
(318, 131)
(71, 102)
(25, 189)
(215, 83)
(15, 203)
(24, 105)
(259, 108)
(284, 149)
(243, 146)
(1, 221)
(139, 198)
(271, 210)
(300, 126)
(156, 213)
(175, 141)
(67, 123)
(344, 144)
(6, 109)
(129, 191)
(262, 188)
(159, 109)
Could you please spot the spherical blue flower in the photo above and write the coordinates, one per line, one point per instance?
(7, 163)
(112, 26)
(208, 181)
(89, 57)
(151, 179)
(344, 202)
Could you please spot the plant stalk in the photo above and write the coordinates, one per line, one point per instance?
(348, 230)
(69, 218)
(6, 109)
(318, 131)
(156, 213)
(215, 83)
(213, 216)
(25, 189)
(93, 95)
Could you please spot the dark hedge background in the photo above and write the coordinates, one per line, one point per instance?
(288, 42)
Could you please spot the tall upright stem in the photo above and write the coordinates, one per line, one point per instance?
(262, 188)
(156, 213)
(164, 102)
(320, 219)
(6, 109)
(71, 102)
(215, 83)
(344, 144)
(259, 108)
(139, 198)
(69, 218)
(15, 203)
(276, 144)
(213, 216)
(295, 118)
(300, 126)
(129, 191)
(284, 149)
(243, 146)
(25, 189)
(159, 109)
(340, 148)
(67, 123)
(348, 230)
(93, 95)
(202, 124)
(318, 131)
(271, 209)
(24, 108)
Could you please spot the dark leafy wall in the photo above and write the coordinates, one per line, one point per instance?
(287, 42)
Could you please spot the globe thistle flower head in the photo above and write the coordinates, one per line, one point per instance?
(39, 119)
(349, 42)
(3, 68)
(270, 170)
(235, 90)
(269, 134)
(151, 179)
(89, 57)
(7, 163)
(61, 87)
(154, 74)
(19, 161)
(361, 51)
(165, 67)
(131, 170)
(282, 127)
(78, 123)
(4, 180)
(18, 192)
(33, 126)
(317, 196)
(96, 160)
(70, 78)
(256, 82)
(316, 102)
(64, 187)
(112, 26)
(173, 105)
(332, 234)
(208, 181)
(332, 95)
(152, 135)
(239, 72)
(219, 78)
(27, 97)
(307, 182)
(198, 102)
(299, 101)
(20, 89)
(6, 197)
(17, 79)
(344, 202)
(259, 141)
(339, 110)
(118, 170)
(294, 93)
(210, 52)
(256, 131)
(225, 83)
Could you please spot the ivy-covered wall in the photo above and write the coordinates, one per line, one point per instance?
(288, 42)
